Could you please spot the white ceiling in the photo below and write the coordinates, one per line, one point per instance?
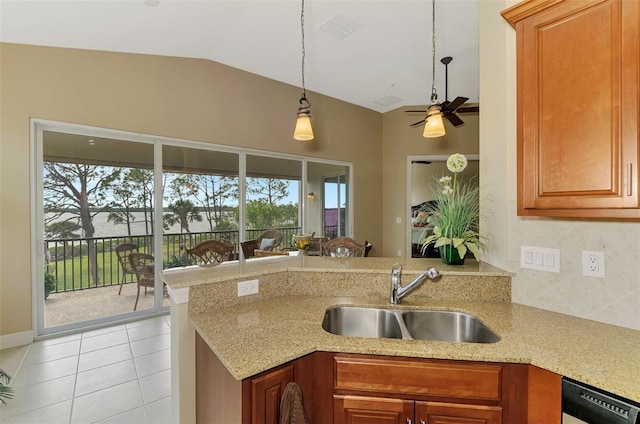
(389, 55)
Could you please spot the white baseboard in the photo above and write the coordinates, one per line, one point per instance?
(16, 339)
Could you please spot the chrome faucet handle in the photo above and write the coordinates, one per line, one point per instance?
(396, 271)
(433, 274)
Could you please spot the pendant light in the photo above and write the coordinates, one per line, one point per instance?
(303, 131)
(433, 127)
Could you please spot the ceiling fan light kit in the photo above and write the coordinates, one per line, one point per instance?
(433, 123)
(303, 130)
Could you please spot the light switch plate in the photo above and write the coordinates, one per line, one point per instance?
(540, 258)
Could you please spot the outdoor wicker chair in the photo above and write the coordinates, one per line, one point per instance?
(267, 240)
(143, 267)
(209, 252)
(122, 252)
(343, 247)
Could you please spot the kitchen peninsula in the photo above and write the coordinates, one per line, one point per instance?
(282, 324)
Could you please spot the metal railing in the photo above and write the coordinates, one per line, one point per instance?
(67, 261)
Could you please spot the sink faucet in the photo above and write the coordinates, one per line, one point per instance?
(398, 292)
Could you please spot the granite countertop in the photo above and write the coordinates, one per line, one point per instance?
(256, 333)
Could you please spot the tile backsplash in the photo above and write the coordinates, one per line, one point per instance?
(614, 299)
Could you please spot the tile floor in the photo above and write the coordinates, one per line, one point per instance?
(119, 374)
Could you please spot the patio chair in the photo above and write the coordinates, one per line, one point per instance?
(143, 267)
(343, 247)
(122, 252)
(267, 240)
(209, 252)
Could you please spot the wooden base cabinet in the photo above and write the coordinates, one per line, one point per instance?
(345, 388)
(349, 409)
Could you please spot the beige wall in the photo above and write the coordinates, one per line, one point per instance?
(183, 98)
(614, 299)
(400, 141)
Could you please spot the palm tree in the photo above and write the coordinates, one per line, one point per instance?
(182, 212)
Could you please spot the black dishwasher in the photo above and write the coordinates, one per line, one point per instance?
(582, 403)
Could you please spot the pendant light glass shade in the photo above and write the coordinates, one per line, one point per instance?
(434, 127)
(303, 131)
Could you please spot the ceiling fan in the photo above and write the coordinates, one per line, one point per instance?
(447, 108)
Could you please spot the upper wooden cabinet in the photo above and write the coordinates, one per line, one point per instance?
(578, 115)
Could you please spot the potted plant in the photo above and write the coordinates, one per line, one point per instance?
(302, 243)
(50, 282)
(6, 392)
(454, 215)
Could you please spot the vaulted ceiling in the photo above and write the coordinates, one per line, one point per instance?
(376, 54)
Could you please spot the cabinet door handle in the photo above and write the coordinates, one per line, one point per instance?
(422, 422)
(408, 421)
(629, 179)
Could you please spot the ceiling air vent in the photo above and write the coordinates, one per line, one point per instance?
(388, 100)
(339, 26)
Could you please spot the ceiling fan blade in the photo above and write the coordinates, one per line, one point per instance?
(418, 123)
(454, 119)
(457, 102)
(470, 109)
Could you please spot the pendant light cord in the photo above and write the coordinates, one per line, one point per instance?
(434, 95)
(304, 89)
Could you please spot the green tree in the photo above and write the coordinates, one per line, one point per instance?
(182, 212)
(264, 211)
(62, 230)
(80, 190)
(141, 185)
(124, 201)
(210, 191)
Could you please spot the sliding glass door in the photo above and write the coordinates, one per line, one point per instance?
(200, 200)
(96, 206)
(328, 199)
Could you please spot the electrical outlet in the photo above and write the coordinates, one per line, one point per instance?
(248, 287)
(593, 263)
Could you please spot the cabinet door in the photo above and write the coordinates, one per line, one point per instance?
(578, 108)
(371, 410)
(453, 413)
(266, 392)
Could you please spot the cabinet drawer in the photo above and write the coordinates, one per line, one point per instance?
(418, 377)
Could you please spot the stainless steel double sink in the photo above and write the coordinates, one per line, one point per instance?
(421, 324)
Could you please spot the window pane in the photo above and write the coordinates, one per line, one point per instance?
(97, 195)
(273, 197)
(200, 201)
(328, 209)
